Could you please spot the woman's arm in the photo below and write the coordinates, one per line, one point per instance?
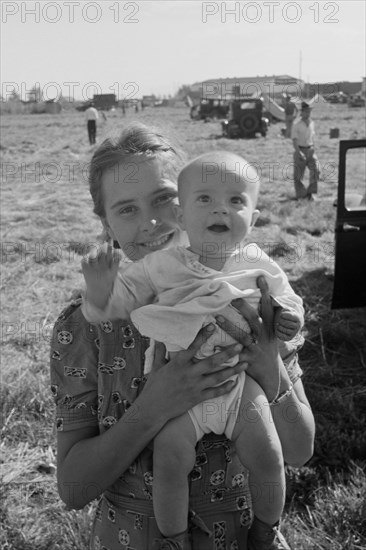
(292, 415)
(89, 462)
(295, 425)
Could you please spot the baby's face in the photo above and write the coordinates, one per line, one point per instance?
(217, 209)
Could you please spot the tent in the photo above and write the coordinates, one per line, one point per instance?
(317, 99)
(319, 104)
(273, 108)
(276, 111)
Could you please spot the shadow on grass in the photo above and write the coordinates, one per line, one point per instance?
(333, 360)
(325, 506)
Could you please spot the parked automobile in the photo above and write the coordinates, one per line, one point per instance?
(246, 119)
(102, 102)
(356, 101)
(338, 97)
(349, 289)
(210, 108)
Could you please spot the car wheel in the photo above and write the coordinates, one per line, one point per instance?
(249, 123)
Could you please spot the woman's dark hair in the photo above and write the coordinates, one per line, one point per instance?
(135, 141)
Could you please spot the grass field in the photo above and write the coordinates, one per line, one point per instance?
(47, 225)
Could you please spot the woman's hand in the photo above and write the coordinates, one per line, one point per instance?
(175, 386)
(293, 418)
(260, 348)
(100, 270)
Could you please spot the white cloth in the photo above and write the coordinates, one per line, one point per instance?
(304, 133)
(218, 415)
(169, 295)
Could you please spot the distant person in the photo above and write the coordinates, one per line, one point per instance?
(290, 114)
(170, 295)
(123, 109)
(303, 137)
(92, 116)
(136, 107)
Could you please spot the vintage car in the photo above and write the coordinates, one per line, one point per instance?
(349, 289)
(246, 119)
(338, 97)
(210, 108)
(356, 101)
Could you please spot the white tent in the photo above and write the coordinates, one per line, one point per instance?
(274, 108)
(271, 106)
(319, 104)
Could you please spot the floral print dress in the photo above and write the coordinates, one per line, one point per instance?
(96, 373)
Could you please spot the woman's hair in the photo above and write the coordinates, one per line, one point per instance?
(135, 141)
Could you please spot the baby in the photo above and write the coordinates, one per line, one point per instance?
(170, 294)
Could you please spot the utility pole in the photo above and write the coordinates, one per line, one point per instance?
(300, 64)
(300, 70)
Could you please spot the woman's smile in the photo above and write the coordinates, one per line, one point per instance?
(158, 243)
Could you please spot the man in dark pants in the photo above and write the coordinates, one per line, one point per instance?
(290, 114)
(303, 134)
(92, 116)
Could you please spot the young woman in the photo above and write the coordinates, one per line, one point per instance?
(108, 413)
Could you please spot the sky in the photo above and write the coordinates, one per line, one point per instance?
(153, 47)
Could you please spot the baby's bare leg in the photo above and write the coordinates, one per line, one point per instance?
(174, 458)
(259, 449)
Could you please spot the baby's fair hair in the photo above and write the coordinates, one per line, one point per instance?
(136, 141)
(223, 162)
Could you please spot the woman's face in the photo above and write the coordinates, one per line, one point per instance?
(139, 207)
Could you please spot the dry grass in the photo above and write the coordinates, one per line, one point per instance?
(47, 225)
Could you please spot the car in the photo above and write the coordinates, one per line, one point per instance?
(338, 97)
(246, 119)
(356, 101)
(210, 108)
(349, 289)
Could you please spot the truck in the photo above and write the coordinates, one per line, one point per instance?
(105, 102)
(102, 102)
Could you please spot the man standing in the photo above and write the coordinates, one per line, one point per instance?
(303, 134)
(92, 116)
(290, 114)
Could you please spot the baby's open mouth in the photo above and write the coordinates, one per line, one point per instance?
(218, 228)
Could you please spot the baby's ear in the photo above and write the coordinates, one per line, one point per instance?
(179, 215)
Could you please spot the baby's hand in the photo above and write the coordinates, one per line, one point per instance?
(287, 324)
(100, 272)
